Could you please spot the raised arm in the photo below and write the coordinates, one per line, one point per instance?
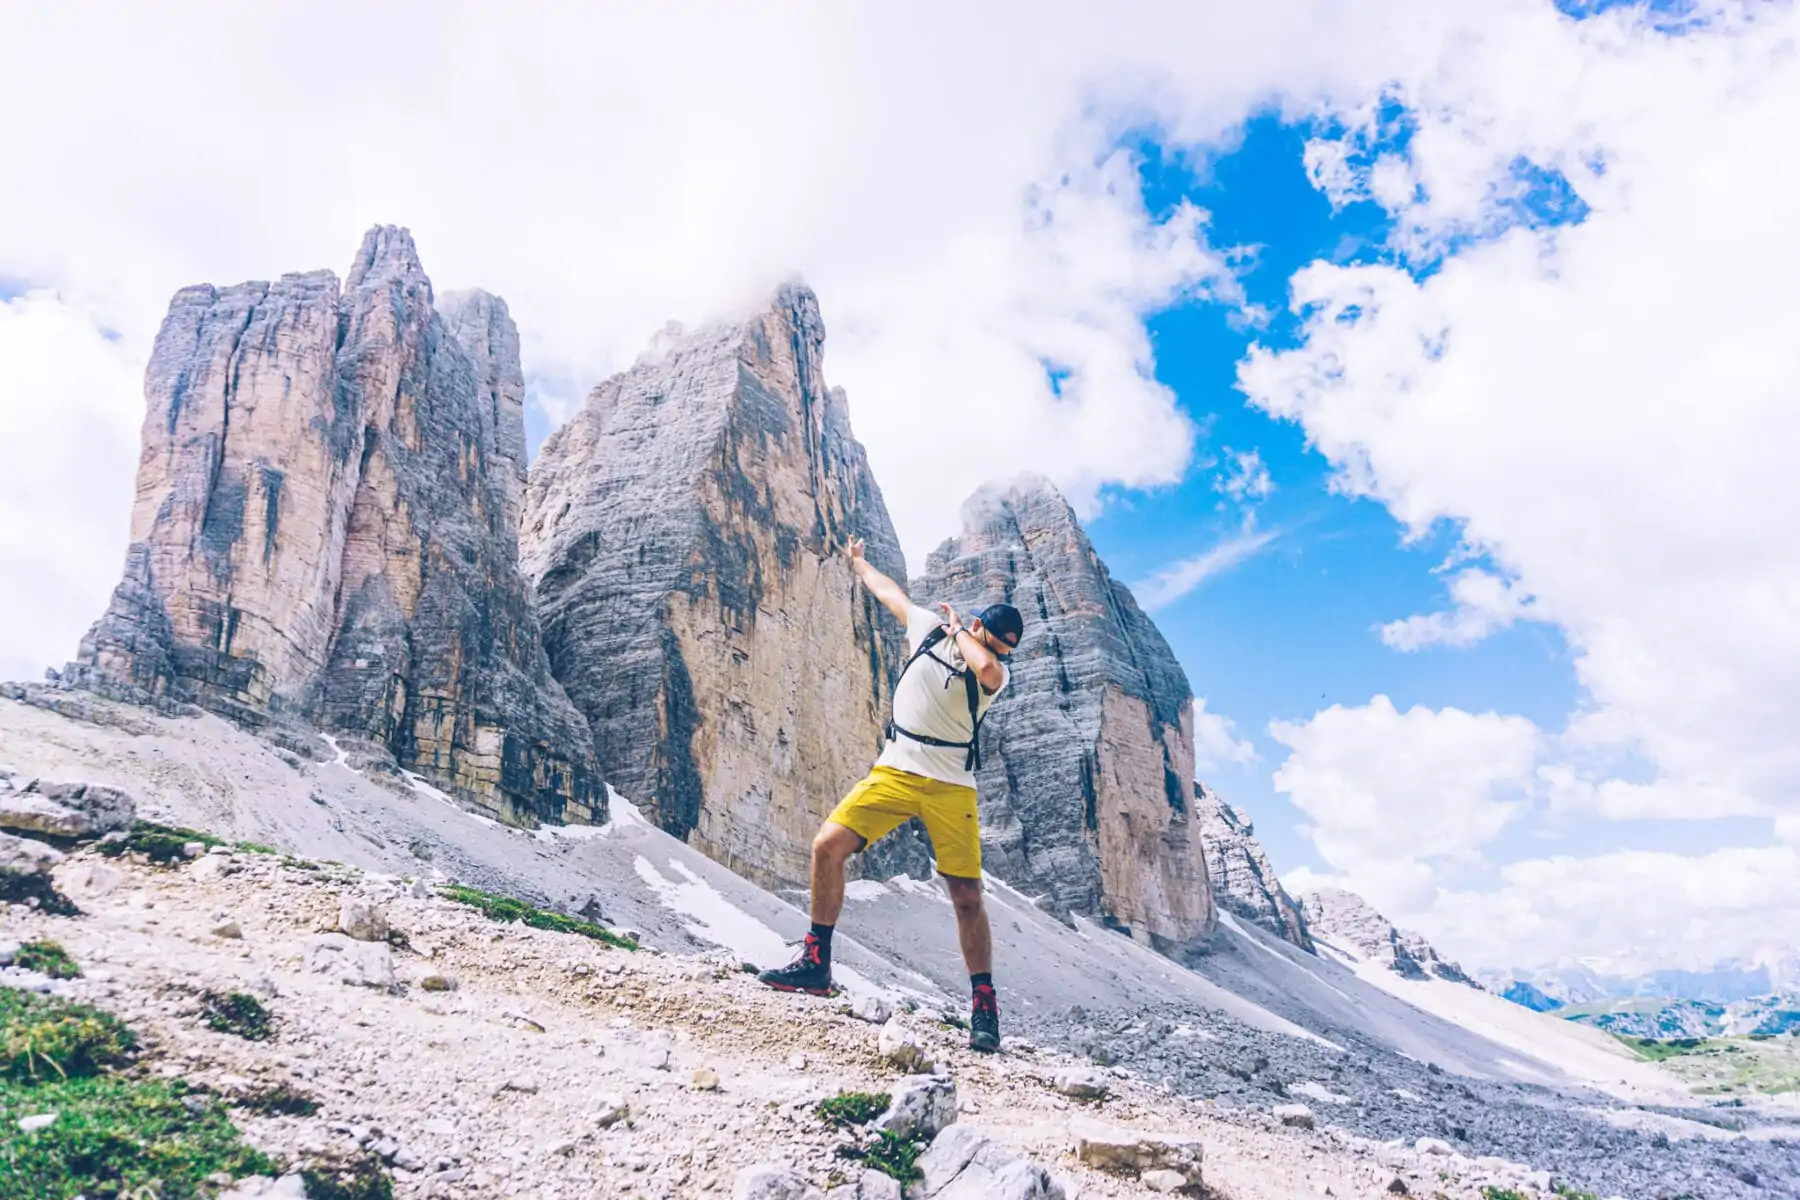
(892, 595)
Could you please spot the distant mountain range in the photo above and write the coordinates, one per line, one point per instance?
(1758, 994)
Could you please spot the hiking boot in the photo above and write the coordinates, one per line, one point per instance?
(808, 973)
(984, 1020)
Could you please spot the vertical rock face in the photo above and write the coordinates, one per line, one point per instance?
(1088, 756)
(1243, 881)
(324, 529)
(683, 533)
(1335, 915)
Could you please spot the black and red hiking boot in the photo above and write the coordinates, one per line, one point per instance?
(809, 973)
(984, 1020)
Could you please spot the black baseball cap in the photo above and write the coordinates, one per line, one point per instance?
(1004, 622)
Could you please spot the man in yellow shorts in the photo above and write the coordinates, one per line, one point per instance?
(927, 771)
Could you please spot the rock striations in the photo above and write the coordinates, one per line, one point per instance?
(683, 531)
(1243, 881)
(325, 528)
(1086, 780)
(1346, 919)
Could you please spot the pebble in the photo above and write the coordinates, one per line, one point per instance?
(873, 1008)
(706, 1080)
(228, 930)
(34, 1123)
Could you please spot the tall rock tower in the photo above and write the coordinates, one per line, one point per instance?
(683, 531)
(1088, 757)
(326, 529)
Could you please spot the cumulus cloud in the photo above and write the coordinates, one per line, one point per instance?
(1606, 408)
(1245, 478)
(1484, 604)
(1391, 796)
(1216, 743)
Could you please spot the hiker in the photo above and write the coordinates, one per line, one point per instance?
(927, 770)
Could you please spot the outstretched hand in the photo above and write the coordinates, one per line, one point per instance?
(854, 550)
(950, 618)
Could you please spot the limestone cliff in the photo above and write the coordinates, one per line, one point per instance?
(1346, 919)
(1089, 755)
(683, 532)
(325, 529)
(1243, 881)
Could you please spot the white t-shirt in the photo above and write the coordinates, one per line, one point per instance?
(923, 704)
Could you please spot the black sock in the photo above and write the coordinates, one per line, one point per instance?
(822, 935)
(985, 978)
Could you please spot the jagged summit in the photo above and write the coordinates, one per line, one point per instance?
(1342, 917)
(684, 531)
(1088, 757)
(323, 531)
(1244, 882)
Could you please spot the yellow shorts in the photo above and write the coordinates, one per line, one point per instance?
(883, 801)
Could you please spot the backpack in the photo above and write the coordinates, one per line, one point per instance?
(970, 684)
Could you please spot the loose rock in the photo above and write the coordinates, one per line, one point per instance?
(361, 918)
(1297, 1116)
(68, 810)
(873, 1008)
(769, 1182)
(1129, 1152)
(359, 964)
(900, 1046)
(1082, 1083)
(919, 1107)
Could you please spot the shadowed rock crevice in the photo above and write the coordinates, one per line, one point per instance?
(325, 529)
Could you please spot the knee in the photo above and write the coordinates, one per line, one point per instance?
(834, 844)
(966, 898)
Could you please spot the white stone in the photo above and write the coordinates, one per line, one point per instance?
(1163, 1181)
(228, 930)
(360, 964)
(1131, 1152)
(34, 1123)
(1430, 1145)
(1083, 1083)
(1296, 1115)
(919, 1106)
(873, 1008)
(88, 879)
(361, 918)
(209, 867)
(609, 1110)
(963, 1163)
(901, 1047)
(767, 1181)
(706, 1079)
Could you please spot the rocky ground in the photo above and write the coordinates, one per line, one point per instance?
(556, 1066)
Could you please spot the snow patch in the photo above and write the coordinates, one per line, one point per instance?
(1319, 1092)
(425, 789)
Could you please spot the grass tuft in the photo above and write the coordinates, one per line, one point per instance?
(47, 958)
(162, 844)
(255, 848)
(357, 1178)
(895, 1156)
(114, 1137)
(239, 1013)
(42, 1037)
(1490, 1192)
(507, 910)
(1569, 1193)
(853, 1108)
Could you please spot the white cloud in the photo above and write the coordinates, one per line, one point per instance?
(1245, 478)
(1394, 796)
(1788, 829)
(1636, 908)
(1606, 410)
(1485, 603)
(69, 417)
(1178, 579)
(1216, 743)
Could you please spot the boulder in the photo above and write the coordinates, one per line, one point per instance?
(767, 1181)
(920, 1106)
(358, 964)
(963, 1163)
(25, 867)
(66, 810)
(86, 878)
(1129, 1152)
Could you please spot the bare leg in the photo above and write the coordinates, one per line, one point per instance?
(971, 923)
(831, 849)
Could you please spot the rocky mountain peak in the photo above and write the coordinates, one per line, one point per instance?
(1088, 755)
(684, 531)
(1346, 919)
(322, 532)
(1244, 882)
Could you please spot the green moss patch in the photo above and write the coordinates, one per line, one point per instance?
(507, 910)
(357, 1178)
(42, 1037)
(163, 844)
(239, 1013)
(47, 958)
(114, 1137)
(853, 1108)
(894, 1156)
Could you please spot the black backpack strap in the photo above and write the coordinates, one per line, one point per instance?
(971, 685)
